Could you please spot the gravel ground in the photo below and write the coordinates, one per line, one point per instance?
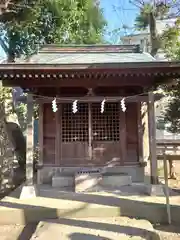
(53, 230)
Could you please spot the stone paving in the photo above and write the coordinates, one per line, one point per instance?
(87, 229)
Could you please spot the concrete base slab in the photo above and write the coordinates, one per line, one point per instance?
(63, 181)
(95, 229)
(28, 192)
(116, 180)
(154, 190)
(87, 182)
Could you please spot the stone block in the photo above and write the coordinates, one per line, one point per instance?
(87, 181)
(154, 190)
(28, 192)
(116, 180)
(63, 181)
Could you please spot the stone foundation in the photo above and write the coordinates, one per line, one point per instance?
(28, 192)
(154, 190)
(63, 181)
(116, 180)
(46, 174)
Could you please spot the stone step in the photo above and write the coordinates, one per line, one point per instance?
(87, 182)
(63, 181)
(116, 180)
(95, 229)
(91, 181)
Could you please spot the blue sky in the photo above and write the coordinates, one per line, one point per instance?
(117, 13)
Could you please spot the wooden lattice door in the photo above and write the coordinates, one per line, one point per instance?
(90, 137)
(74, 135)
(105, 134)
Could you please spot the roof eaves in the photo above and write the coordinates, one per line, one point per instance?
(130, 65)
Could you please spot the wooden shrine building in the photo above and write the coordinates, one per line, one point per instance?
(99, 135)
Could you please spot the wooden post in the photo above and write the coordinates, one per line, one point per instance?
(57, 140)
(166, 188)
(29, 141)
(122, 132)
(152, 139)
(40, 137)
(29, 190)
(140, 133)
(90, 133)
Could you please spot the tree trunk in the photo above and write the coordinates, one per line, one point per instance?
(153, 34)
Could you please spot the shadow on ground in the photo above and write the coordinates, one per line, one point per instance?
(83, 236)
(105, 206)
(167, 228)
(27, 231)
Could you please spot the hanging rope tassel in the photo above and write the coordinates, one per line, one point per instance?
(103, 105)
(74, 107)
(123, 107)
(54, 105)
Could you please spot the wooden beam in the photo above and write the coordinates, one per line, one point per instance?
(79, 82)
(40, 137)
(152, 139)
(29, 141)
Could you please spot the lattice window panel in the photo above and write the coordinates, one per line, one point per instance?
(74, 125)
(105, 126)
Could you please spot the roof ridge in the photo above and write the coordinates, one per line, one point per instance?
(101, 48)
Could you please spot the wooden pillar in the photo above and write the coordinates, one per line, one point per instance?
(123, 140)
(40, 137)
(152, 139)
(140, 133)
(90, 152)
(29, 141)
(57, 139)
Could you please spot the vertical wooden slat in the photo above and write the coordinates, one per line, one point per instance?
(57, 138)
(140, 133)
(60, 133)
(90, 132)
(29, 141)
(40, 139)
(123, 137)
(152, 138)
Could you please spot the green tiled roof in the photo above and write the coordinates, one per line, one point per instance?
(89, 55)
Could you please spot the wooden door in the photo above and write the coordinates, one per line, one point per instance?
(74, 135)
(105, 134)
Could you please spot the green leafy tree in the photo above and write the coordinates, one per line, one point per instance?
(149, 13)
(28, 26)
